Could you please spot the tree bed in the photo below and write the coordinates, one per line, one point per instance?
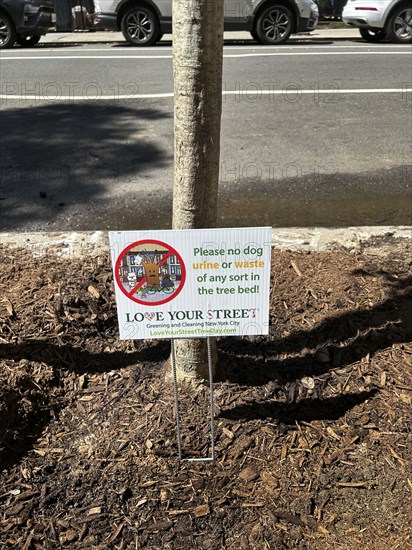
(313, 423)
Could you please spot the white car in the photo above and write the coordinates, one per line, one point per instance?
(143, 22)
(380, 19)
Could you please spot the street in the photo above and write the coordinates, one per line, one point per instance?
(314, 133)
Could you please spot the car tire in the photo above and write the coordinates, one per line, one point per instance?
(274, 25)
(371, 35)
(28, 41)
(254, 35)
(8, 34)
(399, 26)
(140, 26)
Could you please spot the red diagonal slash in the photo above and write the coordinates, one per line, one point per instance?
(142, 281)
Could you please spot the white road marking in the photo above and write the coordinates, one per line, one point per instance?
(18, 51)
(291, 54)
(225, 56)
(286, 92)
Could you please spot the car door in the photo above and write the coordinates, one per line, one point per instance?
(165, 7)
(237, 11)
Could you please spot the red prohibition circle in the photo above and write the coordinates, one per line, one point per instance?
(130, 294)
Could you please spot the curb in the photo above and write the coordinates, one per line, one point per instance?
(86, 37)
(94, 243)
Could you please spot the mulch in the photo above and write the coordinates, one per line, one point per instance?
(313, 422)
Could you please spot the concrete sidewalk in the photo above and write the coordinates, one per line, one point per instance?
(316, 239)
(102, 37)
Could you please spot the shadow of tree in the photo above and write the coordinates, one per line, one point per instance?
(391, 319)
(347, 337)
(27, 408)
(60, 155)
(351, 335)
(82, 361)
(331, 408)
(332, 196)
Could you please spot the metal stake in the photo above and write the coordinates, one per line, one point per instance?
(173, 358)
(212, 406)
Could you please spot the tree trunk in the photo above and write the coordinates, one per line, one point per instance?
(197, 71)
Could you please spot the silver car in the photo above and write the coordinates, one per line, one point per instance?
(143, 22)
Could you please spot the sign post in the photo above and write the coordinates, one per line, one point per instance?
(212, 407)
(194, 283)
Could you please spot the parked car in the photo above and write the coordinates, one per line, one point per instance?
(330, 9)
(143, 22)
(380, 19)
(25, 21)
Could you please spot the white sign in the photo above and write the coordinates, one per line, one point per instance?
(192, 283)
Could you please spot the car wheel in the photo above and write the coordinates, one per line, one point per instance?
(7, 32)
(274, 25)
(28, 41)
(140, 26)
(371, 35)
(399, 27)
(254, 36)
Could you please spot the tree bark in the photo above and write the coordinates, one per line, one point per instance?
(197, 72)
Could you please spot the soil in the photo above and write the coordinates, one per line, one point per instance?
(313, 422)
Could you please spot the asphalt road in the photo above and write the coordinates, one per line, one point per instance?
(313, 134)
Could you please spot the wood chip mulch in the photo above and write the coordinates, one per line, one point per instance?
(313, 423)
